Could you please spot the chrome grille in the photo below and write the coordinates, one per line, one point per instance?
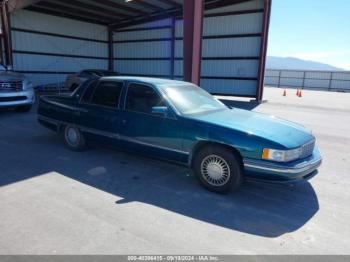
(307, 149)
(11, 86)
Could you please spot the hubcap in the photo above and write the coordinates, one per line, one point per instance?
(72, 136)
(215, 170)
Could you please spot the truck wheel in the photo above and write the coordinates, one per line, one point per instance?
(218, 169)
(73, 138)
(23, 109)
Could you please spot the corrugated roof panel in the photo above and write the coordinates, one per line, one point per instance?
(255, 4)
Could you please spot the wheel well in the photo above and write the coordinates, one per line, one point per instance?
(60, 128)
(203, 144)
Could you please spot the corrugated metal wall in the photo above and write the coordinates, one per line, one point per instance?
(231, 49)
(144, 49)
(46, 48)
(320, 80)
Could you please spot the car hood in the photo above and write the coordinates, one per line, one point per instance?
(11, 76)
(283, 132)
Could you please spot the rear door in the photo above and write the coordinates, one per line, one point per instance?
(100, 116)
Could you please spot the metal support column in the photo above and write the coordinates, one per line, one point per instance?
(172, 47)
(192, 44)
(110, 49)
(263, 49)
(6, 33)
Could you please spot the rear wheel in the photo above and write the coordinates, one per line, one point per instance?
(73, 138)
(218, 169)
(23, 109)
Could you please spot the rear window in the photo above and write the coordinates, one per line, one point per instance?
(107, 94)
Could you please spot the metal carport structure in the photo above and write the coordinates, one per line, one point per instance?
(221, 43)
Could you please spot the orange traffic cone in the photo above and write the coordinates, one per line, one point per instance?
(300, 93)
(285, 92)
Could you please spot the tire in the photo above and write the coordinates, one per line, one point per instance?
(23, 109)
(73, 138)
(218, 169)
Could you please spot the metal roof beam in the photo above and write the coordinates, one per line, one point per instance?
(223, 3)
(172, 3)
(65, 15)
(90, 8)
(71, 11)
(19, 4)
(148, 5)
(122, 7)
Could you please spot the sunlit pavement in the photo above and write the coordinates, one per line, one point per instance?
(101, 201)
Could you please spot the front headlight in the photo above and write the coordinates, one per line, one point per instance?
(281, 155)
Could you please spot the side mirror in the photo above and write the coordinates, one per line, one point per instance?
(160, 110)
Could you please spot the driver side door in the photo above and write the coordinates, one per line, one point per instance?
(146, 130)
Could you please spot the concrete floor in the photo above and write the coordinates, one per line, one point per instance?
(101, 201)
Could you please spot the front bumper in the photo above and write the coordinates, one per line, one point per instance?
(295, 171)
(17, 98)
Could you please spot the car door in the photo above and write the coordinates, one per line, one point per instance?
(147, 130)
(99, 118)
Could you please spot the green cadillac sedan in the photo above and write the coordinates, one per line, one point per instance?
(180, 122)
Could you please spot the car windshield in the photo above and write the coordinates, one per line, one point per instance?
(191, 99)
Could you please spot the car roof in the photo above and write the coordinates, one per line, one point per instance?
(146, 80)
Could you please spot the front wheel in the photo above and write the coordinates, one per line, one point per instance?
(73, 138)
(218, 169)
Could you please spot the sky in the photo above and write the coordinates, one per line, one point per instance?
(317, 30)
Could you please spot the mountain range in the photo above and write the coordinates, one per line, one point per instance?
(291, 63)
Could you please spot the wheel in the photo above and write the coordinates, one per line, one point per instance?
(23, 109)
(218, 169)
(73, 138)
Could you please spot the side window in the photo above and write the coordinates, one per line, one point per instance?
(88, 92)
(107, 94)
(142, 98)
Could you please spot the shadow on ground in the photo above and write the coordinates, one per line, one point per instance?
(247, 105)
(28, 150)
